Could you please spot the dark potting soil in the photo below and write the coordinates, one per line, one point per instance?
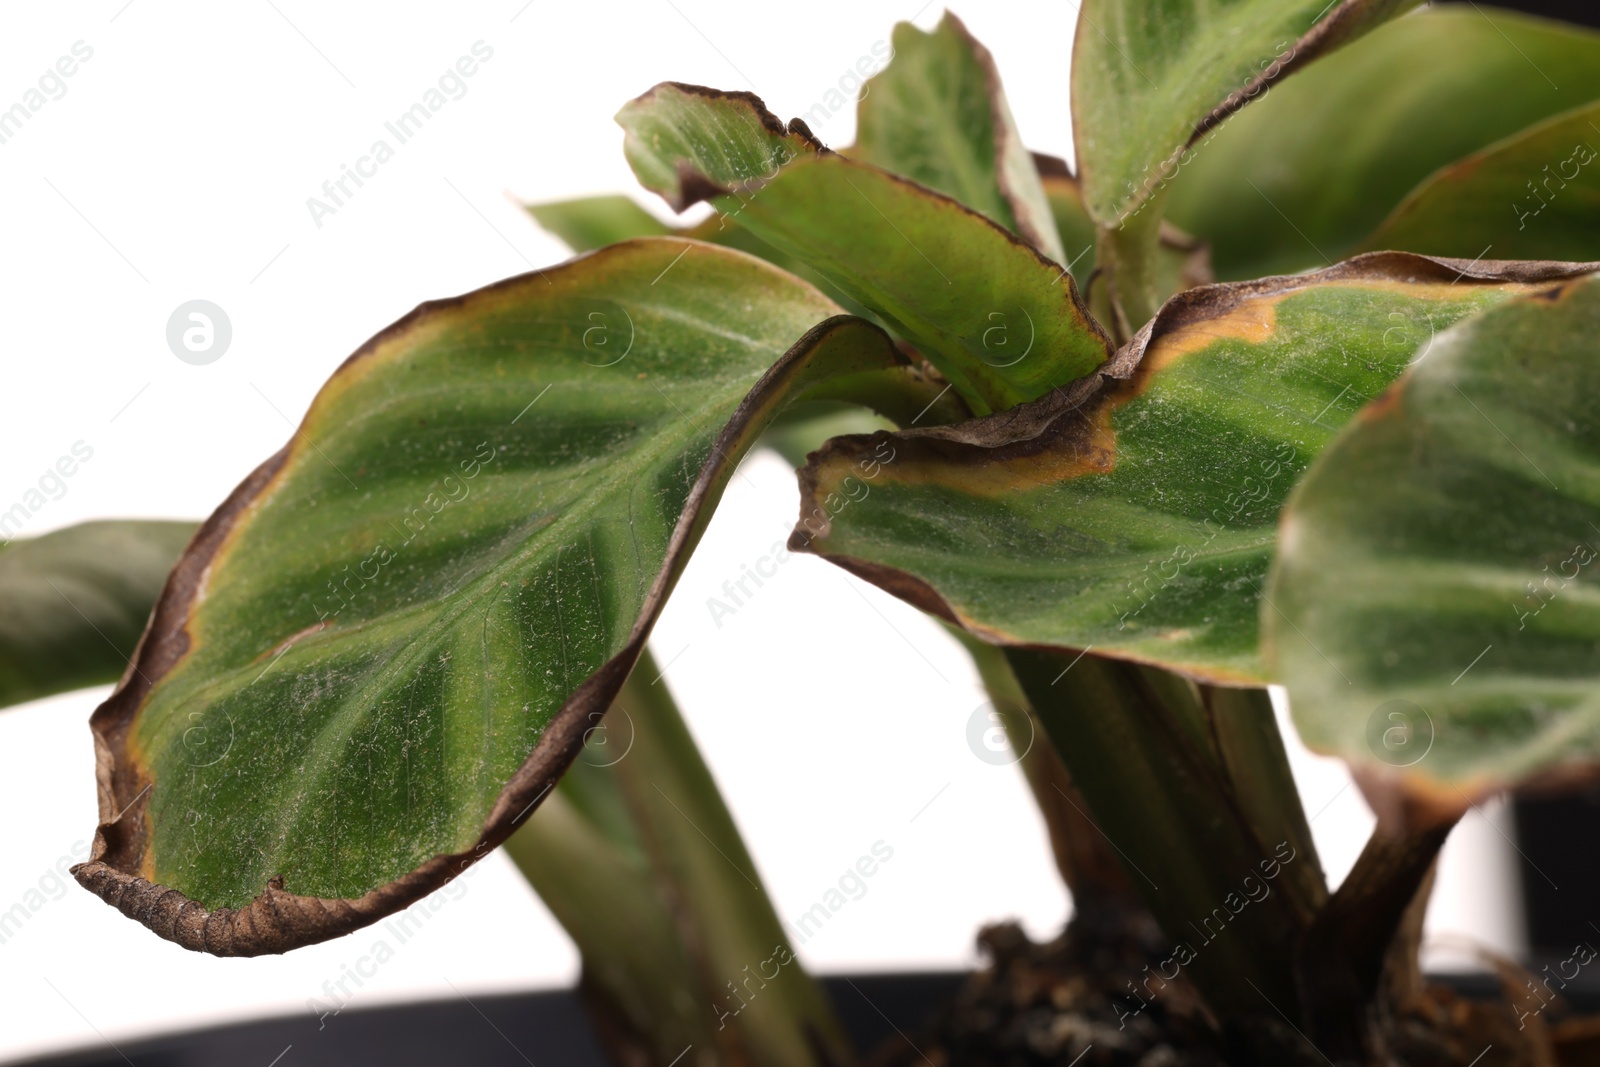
(1087, 999)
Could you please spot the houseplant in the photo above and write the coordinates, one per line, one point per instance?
(408, 623)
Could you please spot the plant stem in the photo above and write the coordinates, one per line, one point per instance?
(1136, 743)
(640, 860)
(1125, 254)
(1251, 749)
(1346, 951)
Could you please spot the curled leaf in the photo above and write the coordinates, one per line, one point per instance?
(1136, 513)
(1001, 321)
(937, 114)
(1439, 610)
(1148, 81)
(384, 648)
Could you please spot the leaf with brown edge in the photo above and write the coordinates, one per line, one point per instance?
(937, 114)
(1150, 80)
(1001, 321)
(690, 142)
(1136, 512)
(1439, 615)
(1534, 195)
(394, 631)
(1307, 172)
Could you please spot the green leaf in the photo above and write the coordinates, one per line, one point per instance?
(593, 222)
(1002, 322)
(392, 634)
(1074, 227)
(1307, 172)
(1533, 196)
(938, 115)
(689, 143)
(1438, 619)
(1148, 79)
(1136, 513)
(1182, 261)
(74, 602)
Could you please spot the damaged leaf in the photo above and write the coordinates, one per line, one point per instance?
(1439, 610)
(938, 115)
(381, 652)
(1136, 514)
(1002, 322)
(1149, 80)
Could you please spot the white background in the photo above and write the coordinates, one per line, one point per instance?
(177, 166)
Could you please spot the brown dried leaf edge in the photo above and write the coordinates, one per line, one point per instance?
(277, 920)
(1059, 431)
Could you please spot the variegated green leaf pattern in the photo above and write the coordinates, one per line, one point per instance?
(1001, 321)
(795, 432)
(1147, 79)
(1307, 172)
(937, 114)
(391, 634)
(583, 851)
(74, 602)
(1138, 518)
(1438, 618)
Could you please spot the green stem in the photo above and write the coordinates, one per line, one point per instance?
(1125, 253)
(1137, 743)
(639, 859)
(802, 428)
(1253, 758)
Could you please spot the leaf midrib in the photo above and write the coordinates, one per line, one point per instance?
(344, 718)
